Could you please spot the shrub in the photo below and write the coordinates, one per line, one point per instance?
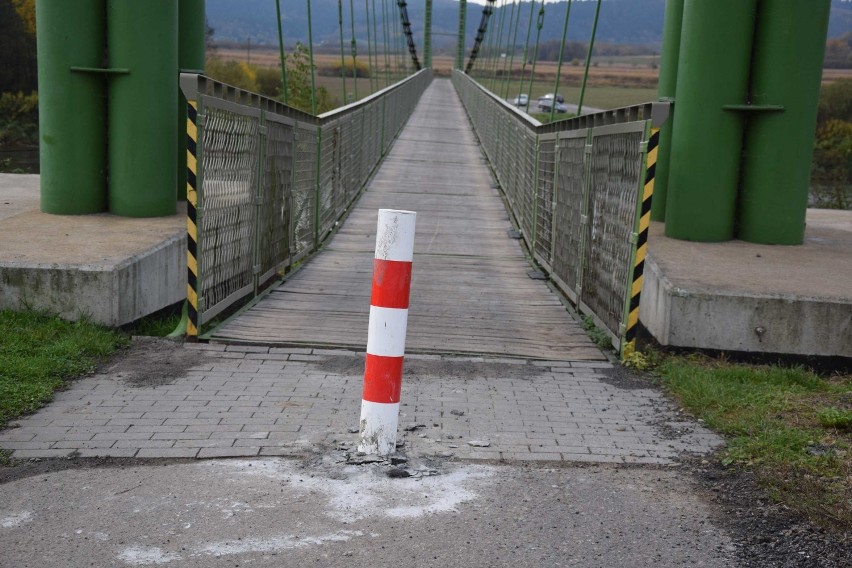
(18, 119)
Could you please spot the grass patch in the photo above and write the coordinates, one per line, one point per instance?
(598, 336)
(789, 425)
(157, 325)
(40, 352)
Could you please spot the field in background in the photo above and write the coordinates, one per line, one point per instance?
(616, 83)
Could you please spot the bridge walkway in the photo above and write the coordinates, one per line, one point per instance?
(470, 291)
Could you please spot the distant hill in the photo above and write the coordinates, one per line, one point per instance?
(637, 22)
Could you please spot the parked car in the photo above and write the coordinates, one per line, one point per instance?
(521, 100)
(546, 102)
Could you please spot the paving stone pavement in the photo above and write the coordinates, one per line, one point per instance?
(242, 401)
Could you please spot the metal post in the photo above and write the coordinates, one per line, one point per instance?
(786, 72)
(72, 106)
(713, 71)
(386, 331)
(667, 89)
(142, 151)
(192, 31)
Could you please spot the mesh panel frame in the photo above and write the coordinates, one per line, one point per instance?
(227, 225)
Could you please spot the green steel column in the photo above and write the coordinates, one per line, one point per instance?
(143, 37)
(713, 71)
(667, 89)
(72, 109)
(789, 46)
(461, 34)
(192, 32)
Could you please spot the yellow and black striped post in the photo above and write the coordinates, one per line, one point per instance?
(191, 220)
(641, 244)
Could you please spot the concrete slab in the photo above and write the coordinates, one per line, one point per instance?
(738, 296)
(113, 269)
(273, 512)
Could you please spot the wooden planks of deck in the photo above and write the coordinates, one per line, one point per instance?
(470, 293)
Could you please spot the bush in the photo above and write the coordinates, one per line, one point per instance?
(362, 70)
(237, 73)
(831, 175)
(18, 119)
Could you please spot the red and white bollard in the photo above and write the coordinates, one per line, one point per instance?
(386, 332)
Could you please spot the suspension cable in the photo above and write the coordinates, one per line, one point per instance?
(375, 44)
(526, 51)
(281, 50)
(342, 56)
(499, 42)
(369, 48)
(386, 37)
(588, 59)
(488, 50)
(511, 40)
(353, 48)
(539, 24)
(480, 33)
(311, 56)
(561, 57)
(406, 28)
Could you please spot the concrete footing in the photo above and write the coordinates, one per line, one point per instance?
(113, 270)
(737, 296)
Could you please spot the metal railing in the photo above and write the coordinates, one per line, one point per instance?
(580, 192)
(269, 183)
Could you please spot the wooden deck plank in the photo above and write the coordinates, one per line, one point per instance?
(470, 289)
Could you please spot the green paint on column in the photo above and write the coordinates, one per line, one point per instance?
(787, 70)
(713, 71)
(192, 31)
(667, 89)
(72, 106)
(142, 37)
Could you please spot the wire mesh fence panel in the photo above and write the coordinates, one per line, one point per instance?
(354, 147)
(615, 169)
(568, 208)
(526, 189)
(544, 199)
(577, 210)
(273, 181)
(330, 183)
(274, 206)
(304, 191)
(229, 163)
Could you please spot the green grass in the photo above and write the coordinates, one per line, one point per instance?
(788, 425)
(157, 325)
(39, 352)
(598, 336)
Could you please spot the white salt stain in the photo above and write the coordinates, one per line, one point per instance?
(272, 544)
(16, 519)
(140, 556)
(362, 493)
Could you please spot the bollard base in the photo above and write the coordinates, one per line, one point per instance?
(377, 434)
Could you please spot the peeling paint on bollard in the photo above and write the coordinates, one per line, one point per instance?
(386, 331)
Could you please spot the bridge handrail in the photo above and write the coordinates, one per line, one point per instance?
(580, 193)
(268, 183)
